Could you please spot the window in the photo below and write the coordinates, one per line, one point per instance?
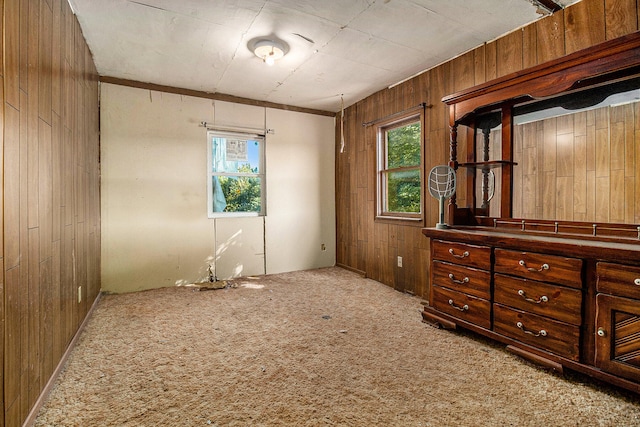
(236, 182)
(399, 177)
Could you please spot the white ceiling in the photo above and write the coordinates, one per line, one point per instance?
(349, 48)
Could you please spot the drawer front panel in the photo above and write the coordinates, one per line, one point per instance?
(460, 253)
(556, 337)
(617, 279)
(464, 279)
(547, 268)
(558, 302)
(465, 307)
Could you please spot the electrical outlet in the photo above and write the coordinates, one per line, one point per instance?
(399, 261)
(323, 247)
(79, 294)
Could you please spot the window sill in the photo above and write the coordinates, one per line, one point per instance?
(400, 220)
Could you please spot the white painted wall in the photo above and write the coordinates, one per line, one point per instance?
(301, 195)
(155, 229)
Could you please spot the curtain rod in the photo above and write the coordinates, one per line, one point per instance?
(391, 116)
(235, 129)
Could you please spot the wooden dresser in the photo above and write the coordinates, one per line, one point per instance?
(561, 302)
(542, 251)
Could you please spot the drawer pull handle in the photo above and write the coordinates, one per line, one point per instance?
(541, 333)
(602, 332)
(543, 267)
(543, 298)
(461, 282)
(464, 254)
(463, 308)
(637, 281)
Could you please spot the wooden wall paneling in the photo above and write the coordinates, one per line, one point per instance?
(68, 285)
(56, 58)
(404, 272)
(491, 58)
(56, 177)
(591, 163)
(620, 18)
(45, 190)
(2, 294)
(617, 142)
(509, 53)
(550, 37)
(580, 167)
(630, 177)
(480, 68)
(11, 52)
(529, 46)
(81, 272)
(13, 347)
(2, 335)
(1, 47)
(24, 43)
(463, 71)
(518, 171)
(12, 187)
(394, 252)
(32, 108)
(602, 165)
(45, 61)
(584, 25)
(32, 310)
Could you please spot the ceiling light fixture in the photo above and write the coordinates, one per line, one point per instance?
(269, 50)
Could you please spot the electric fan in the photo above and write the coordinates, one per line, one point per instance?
(442, 185)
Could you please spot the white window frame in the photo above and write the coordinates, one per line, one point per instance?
(211, 134)
(382, 170)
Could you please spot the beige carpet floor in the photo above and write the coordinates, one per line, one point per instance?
(316, 348)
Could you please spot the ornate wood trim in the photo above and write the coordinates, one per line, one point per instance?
(550, 78)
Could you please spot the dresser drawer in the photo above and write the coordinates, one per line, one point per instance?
(556, 337)
(460, 253)
(547, 268)
(619, 280)
(464, 279)
(558, 302)
(463, 306)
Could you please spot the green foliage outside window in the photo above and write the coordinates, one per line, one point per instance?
(403, 187)
(403, 191)
(242, 194)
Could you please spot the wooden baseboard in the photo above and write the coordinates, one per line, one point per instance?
(31, 418)
(354, 270)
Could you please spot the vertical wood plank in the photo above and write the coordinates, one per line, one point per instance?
(620, 18)
(45, 62)
(13, 347)
(479, 65)
(33, 318)
(529, 46)
(584, 25)
(509, 53)
(12, 187)
(491, 58)
(12, 52)
(550, 37)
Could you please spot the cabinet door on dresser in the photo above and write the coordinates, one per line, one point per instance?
(618, 320)
(461, 281)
